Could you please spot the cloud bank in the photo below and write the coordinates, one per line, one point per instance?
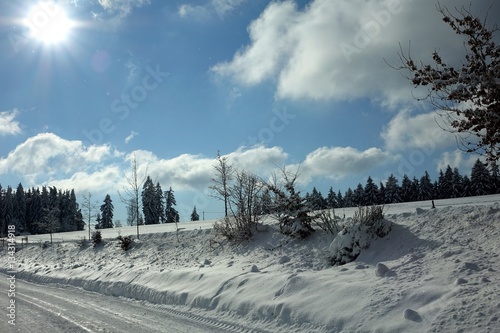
(337, 50)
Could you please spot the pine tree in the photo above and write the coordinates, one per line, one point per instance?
(149, 204)
(426, 188)
(8, 209)
(20, 208)
(340, 200)
(406, 189)
(98, 221)
(331, 199)
(392, 190)
(381, 194)
(358, 195)
(315, 200)
(495, 178)
(159, 203)
(480, 179)
(107, 213)
(348, 198)
(194, 215)
(457, 184)
(370, 192)
(171, 213)
(466, 185)
(415, 189)
(446, 183)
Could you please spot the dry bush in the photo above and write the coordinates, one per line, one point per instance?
(327, 221)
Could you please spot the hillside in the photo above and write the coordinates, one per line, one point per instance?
(443, 273)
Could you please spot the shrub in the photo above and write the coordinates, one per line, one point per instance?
(367, 223)
(243, 195)
(125, 242)
(327, 221)
(289, 208)
(96, 238)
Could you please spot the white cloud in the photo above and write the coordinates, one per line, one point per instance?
(122, 7)
(336, 49)
(222, 7)
(47, 155)
(197, 12)
(8, 124)
(339, 162)
(49, 159)
(422, 131)
(202, 12)
(102, 180)
(457, 159)
(130, 137)
(194, 172)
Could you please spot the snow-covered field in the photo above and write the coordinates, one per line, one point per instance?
(443, 272)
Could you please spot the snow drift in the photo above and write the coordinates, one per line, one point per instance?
(436, 271)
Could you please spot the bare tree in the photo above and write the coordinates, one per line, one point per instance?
(131, 192)
(467, 97)
(51, 222)
(243, 206)
(225, 173)
(89, 208)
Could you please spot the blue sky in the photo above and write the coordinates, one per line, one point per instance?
(268, 84)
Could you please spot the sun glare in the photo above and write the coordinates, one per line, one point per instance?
(48, 23)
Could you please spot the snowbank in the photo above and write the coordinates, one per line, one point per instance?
(436, 271)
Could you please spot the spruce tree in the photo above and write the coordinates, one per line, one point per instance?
(480, 179)
(20, 208)
(159, 203)
(348, 198)
(381, 194)
(107, 213)
(194, 215)
(149, 203)
(370, 192)
(457, 184)
(406, 189)
(466, 185)
(392, 190)
(331, 199)
(426, 187)
(340, 200)
(171, 214)
(358, 195)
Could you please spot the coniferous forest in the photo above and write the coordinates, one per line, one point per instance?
(450, 184)
(49, 210)
(36, 211)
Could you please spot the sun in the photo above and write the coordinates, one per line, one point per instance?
(48, 23)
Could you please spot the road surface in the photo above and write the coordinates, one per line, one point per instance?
(65, 309)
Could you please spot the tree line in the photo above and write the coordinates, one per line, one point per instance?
(39, 210)
(450, 184)
(158, 207)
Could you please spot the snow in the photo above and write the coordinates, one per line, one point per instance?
(436, 271)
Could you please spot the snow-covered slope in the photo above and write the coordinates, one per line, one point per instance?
(437, 271)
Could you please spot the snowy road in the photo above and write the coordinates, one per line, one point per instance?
(43, 308)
